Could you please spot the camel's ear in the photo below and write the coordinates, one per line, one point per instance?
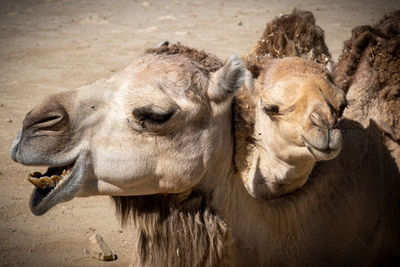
(227, 80)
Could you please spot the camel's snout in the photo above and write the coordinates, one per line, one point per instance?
(323, 134)
(45, 132)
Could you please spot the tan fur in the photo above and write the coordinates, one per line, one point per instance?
(204, 61)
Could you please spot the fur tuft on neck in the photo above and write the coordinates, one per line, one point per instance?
(175, 229)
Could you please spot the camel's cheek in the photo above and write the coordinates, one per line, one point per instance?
(290, 130)
(180, 174)
(120, 161)
(133, 160)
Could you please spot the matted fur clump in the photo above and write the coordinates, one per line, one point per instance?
(294, 34)
(204, 61)
(175, 229)
(379, 46)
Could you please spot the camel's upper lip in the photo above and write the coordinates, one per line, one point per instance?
(44, 198)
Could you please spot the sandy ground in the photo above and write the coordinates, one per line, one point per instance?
(48, 46)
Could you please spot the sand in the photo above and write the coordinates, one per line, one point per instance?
(49, 46)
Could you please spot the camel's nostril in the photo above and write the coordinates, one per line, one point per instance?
(327, 121)
(48, 121)
(317, 120)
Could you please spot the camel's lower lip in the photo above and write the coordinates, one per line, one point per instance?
(321, 154)
(43, 199)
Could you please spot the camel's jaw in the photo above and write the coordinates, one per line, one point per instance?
(46, 196)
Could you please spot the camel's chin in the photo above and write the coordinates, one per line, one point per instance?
(70, 179)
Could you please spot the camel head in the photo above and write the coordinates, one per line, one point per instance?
(296, 114)
(160, 126)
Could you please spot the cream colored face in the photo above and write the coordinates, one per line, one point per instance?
(302, 107)
(156, 127)
(145, 125)
(296, 125)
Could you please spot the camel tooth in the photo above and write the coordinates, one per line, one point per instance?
(64, 172)
(36, 182)
(47, 181)
(55, 178)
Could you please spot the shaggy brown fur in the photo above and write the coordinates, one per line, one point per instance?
(172, 227)
(289, 35)
(379, 46)
(243, 108)
(206, 62)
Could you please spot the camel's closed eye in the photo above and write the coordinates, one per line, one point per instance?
(271, 110)
(147, 117)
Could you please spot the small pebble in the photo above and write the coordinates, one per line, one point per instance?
(240, 23)
(9, 120)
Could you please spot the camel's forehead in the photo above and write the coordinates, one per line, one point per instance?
(294, 67)
(296, 79)
(301, 85)
(171, 72)
(156, 78)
